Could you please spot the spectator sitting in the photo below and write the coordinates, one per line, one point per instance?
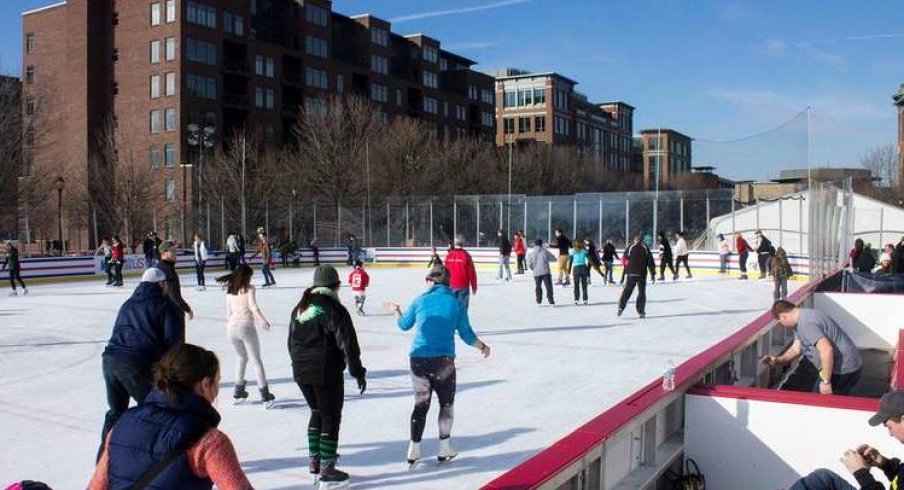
(859, 461)
(866, 260)
(885, 263)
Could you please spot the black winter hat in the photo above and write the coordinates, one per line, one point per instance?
(325, 276)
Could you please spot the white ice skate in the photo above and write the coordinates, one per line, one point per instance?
(446, 453)
(414, 454)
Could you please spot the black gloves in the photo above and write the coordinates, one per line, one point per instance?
(362, 382)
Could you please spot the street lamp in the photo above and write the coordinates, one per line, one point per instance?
(511, 153)
(202, 138)
(60, 182)
(292, 221)
(184, 166)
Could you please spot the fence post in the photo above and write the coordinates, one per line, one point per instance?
(733, 227)
(574, 218)
(431, 221)
(364, 225)
(881, 228)
(315, 221)
(500, 217)
(757, 213)
(600, 225)
(454, 217)
(267, 217)
(407, 223)
(800, 224)
(208, 220)
(388, 236)
(708, 218)
(549, 220)
(781, 227)
(478, 222)
(681, 211)
(338, 224)
(524, 230)
(627, 221)
(223, 221)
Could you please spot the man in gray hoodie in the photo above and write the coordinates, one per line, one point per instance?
(538, 260)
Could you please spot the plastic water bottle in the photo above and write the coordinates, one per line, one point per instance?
(668, 379)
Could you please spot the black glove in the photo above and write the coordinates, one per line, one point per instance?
(362, 383)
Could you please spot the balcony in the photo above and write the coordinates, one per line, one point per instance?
(236, 101)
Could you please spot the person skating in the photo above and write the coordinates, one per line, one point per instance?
(107, 250)
(505, 255)
(610, 255)
(266, 254)
(639, 262)
(14, 268)
(118, 259)
(149, 247)
(593, 255)
(147, 326)
(201, 256)
(764, 252)
(352, 249)
(724, 249)
(743, 250)
(436, 317)
(359, 280)
(682, 254)
(167, 264)
(781, 271)
(577, 262)
(322, 341)
(538, 260)
(172, 439)
(462, 273)
(241, 310)
(520, 251)
(240, 243)
(665, 258)
(232, 252)
(563, 244)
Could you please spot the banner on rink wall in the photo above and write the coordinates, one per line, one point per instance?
(861, 282)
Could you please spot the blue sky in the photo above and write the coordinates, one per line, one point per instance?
(713, 69)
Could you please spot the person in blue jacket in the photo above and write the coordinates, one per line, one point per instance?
(147, 327)
(436, 316)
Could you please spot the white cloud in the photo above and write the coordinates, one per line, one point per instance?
(463, 10)
(872, 37)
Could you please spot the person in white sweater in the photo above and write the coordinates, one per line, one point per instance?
(241, 310)
(681, 254)
(200, 249)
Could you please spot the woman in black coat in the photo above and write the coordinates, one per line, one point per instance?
(322, 342)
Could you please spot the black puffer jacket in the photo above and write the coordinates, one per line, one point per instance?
(505, 246)
(640, 260)
(322, 341)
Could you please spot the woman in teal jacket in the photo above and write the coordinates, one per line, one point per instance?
(436, 316)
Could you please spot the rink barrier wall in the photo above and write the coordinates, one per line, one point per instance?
(701, 262)
(634, 443)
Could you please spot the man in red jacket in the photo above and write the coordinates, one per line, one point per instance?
(461, 272)
(520, 251)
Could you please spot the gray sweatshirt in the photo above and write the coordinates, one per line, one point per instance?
(538, 260)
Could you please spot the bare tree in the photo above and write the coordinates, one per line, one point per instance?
(11, 154)
(883, 163)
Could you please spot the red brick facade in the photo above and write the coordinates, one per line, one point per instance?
(672, 147)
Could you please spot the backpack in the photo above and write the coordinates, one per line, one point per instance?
(691, 479)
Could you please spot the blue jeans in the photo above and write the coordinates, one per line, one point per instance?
(463, 295)
(504, 263)
(822, 479)
(608, 266)
(123, 381)
(199, 271)
(268, 276)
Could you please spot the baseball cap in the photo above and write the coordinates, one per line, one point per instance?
(153, 275)
(890, 405)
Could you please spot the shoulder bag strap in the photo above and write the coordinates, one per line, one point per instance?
(164, 463)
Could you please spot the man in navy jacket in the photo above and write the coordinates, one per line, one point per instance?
(147, 326)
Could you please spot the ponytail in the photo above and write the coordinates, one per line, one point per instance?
(180, 369)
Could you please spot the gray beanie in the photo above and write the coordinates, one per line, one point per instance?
(439, 274)
(326, 276)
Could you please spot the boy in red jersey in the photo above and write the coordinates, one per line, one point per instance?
(359, 281)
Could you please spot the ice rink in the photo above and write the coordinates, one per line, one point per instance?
(551, 370)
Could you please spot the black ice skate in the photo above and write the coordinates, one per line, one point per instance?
(239, 395)
(330, 477)
(267, 398)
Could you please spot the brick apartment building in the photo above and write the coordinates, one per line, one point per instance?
(545, 107)
(666, 151)
(899, 102)
(154, 67)
(10, 153)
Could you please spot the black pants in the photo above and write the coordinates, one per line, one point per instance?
(641, 283)
(842, 384)
(200, 265)
(148, 261)
(325, 402)
(544, 280)
(763, 261)
(123, 381)
(15, 274)
(679, 260)
(429, 374)
(522, 264)
(742, 262)
(666, 261)
(580, 274)
(117, 273)
(108, 268)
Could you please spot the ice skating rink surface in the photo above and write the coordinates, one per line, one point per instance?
(551, 370)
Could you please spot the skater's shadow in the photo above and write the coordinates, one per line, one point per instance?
(371, 375)
(548, 329)
(704, 313)
(351, 396)
(55, 344)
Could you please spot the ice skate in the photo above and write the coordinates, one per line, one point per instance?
(314, 468)
(24, 292)
(414, 454)
(330, 477)
(14, 293)
(267, 398)
(446, 453)
(240, 394)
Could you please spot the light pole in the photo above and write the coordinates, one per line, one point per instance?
(184, 166)
(60, 182)
(658, 176)
(202, 138)
(291, 206)
(508, 226)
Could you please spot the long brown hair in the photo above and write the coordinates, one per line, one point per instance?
(304, 302)
(180, 369)
(237, 281)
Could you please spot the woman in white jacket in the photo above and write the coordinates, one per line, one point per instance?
(241, 310)
(200, 249)
(681, 254)
(724, 251)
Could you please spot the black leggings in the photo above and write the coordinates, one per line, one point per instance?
(429, 374)
(326, 407)
(679, 260)
(16, 274)
(581, 275)
(666, 261)
(117, 272)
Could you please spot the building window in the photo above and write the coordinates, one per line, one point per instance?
(227, 22)
(30, 43)
(170, 117)
(379, 64)
(169, 155)
(340, 84)
(202, 52)
(264, 98)
(270, 68)
(487, 119)
(202, 15)
(169, 190)
(561, 99)
(316, 78)
(239, 25)
(524, 124)
(430, 105)
(487, 96)
(155, 157)
(317, 15)
(201, 86)
(155, 86)
(155, 122)
(654, 143)
(430, 79)
(539, 96)
(381, 117)
(155, 14)
(170, 84)
(511, 98)
(508, 125)
(316, 105)
(446, 109)
(316, 47)
(30, 106)
(431, 54)
(461, 112)
(473, 92)
(380, 36)
(264, 66)
(443, 64)
(170, 48)
(170, 11)
(398, 97)
(30, 135)
(379, 93)
(155, 51)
